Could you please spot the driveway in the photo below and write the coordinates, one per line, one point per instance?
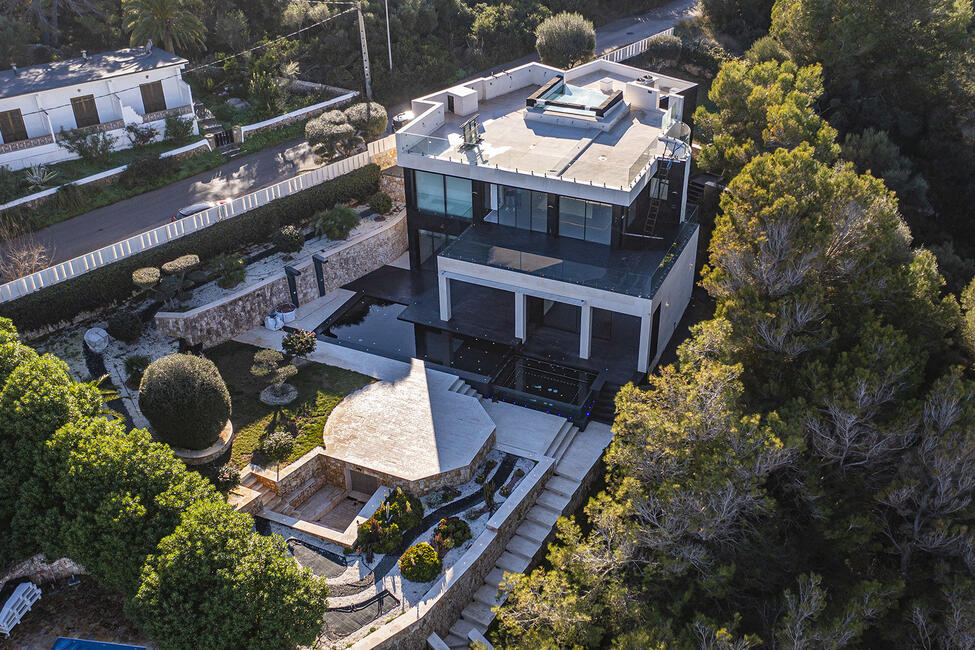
(122, 220)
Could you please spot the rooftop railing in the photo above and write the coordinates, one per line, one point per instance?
(672, 144)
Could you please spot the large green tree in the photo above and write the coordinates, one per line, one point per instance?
(173, 24)
(761, 107)
(252, 592)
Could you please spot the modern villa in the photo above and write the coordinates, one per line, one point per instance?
(551, 245)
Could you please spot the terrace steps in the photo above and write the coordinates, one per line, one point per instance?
(559, 438)
(580, 451)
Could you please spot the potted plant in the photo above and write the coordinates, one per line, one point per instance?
(287, 311)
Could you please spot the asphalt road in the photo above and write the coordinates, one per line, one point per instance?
(122, 220)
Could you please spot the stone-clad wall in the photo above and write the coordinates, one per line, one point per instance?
(224, 319)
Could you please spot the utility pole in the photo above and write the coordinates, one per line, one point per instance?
(389, 40)
(365, 51)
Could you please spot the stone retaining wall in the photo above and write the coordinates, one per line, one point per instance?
(224, 319)
(439, 612)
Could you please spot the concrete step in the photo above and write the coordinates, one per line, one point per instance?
(478, 614)
(494, 577)
(561, 485)
(435, 642)
(559, 437)
(513, 563)
(454, 642)
(535, 532)
(463, 626)
(542, 515)
(553, 501)
(569, 438)
(522, 546)
(487, 595)
(456, 384)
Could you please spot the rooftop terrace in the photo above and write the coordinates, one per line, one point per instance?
(614, 150)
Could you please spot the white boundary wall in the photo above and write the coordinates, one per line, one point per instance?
(99, 176)
(295, 115)
(633, 49)
(163, 234)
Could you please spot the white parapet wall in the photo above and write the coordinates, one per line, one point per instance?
(108, 173)
(296, 116)
(170, 231)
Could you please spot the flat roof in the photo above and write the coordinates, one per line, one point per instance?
(59, 74)
(411, 428)
(575, 149)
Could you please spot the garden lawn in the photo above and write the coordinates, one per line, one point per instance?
(320, 388)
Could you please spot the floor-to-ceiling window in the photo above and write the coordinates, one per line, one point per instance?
(585, 220)
(459, 200)
(429, 192)
(437, 194)
(522, 209)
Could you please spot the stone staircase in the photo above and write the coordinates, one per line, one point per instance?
(575, 455)
(269, 499)
(460, 386)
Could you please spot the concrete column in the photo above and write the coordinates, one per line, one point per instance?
(521, 316)
(585, 331)
(643, 357)
(444, 297)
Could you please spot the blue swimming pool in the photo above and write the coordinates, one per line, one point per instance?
(64, 643)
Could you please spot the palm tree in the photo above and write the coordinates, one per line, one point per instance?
(172, 23)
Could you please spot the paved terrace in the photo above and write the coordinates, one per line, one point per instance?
(612, 158)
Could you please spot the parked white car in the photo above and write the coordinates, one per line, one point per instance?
(190, 210)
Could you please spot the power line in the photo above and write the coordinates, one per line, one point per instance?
(211, 63)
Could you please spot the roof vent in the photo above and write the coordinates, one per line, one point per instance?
(13, 66)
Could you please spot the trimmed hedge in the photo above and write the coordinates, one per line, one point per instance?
(185, 399)
(107, 285)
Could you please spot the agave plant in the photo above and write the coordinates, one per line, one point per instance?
(39, 177)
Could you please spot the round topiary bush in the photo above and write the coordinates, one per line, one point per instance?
(288, 240)
(185, 399)
(124, 326)
(381, 202)
(420, 563)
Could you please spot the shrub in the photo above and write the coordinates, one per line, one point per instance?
(383, 531)
(299, 343)
(277, 447)
(268, 365)
(505, 491)
(481, 476)
(381, 202)
(227, 478)
(146, 170)
(185, 399)
(370, 119)
(104, 286)
(336, 223)
(332, 139)
(288, 240)
(450, 533)
(140, 136)
(228, 269)
(565, 40)
(489, 465)
(92, 147)
(135, 367)
(9, 184)
(125, 326)
(664, 48)
(177, 129)
(488, 492)
(519, 472)
(420, 563)
(39, 177)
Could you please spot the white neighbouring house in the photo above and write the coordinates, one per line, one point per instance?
(98, 93)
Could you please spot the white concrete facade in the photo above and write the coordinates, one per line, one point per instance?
(570, 153)
(118, 101)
